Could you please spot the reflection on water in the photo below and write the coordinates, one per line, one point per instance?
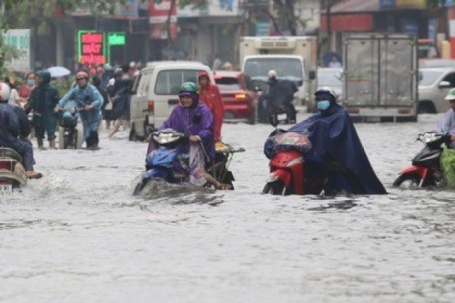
(159, 191)
(340, 205)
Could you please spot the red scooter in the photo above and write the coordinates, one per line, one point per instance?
(425, 169)
(289, 172)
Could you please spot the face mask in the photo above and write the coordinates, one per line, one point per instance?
(323, 105)
(30, 82)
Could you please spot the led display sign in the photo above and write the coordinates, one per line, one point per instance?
(91, 47)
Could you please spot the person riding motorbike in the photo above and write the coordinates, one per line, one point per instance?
(277, 93)
(42, 101)
(195, 120)
(88, 101)
(15, 129)
(446, 125)
(336, 150)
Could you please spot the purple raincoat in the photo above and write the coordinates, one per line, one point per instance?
(183, 120)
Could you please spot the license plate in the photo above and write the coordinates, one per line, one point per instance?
(282, 117)
(6, 189)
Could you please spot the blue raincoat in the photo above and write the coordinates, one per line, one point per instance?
(335, 140)
(10, 131)
(88, 95)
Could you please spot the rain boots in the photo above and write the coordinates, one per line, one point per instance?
(52, 144)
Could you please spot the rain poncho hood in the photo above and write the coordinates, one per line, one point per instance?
(46, 77)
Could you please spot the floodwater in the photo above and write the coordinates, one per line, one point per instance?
(78, 235)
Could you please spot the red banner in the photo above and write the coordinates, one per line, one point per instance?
(159, 14)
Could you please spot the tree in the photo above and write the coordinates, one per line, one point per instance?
(284, 15)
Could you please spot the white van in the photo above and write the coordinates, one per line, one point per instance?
(155, 92)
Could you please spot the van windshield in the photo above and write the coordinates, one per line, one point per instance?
(168, 82)
(288, 68)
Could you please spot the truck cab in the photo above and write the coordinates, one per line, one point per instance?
(293, 58)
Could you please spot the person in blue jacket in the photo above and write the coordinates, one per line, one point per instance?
(336, 148)
(14, 129)
(88, 102)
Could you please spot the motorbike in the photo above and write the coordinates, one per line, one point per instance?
(425, 169)
(290, 172)
(169, 163)
(278, 105)
(71, 135)
(283, 113)
(12, 172)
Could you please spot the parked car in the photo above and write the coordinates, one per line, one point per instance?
(436, 62)
(155, 93)
(434, 85)
(239, 96)
(331, 77)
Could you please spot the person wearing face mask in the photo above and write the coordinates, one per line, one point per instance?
(42, 101)
(337, 152)
(26, 88)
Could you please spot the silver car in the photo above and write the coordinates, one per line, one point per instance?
(434, 85)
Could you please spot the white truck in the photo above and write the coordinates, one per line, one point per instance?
(380, 76)
(292, 57)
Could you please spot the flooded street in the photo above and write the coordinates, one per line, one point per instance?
(78, 235)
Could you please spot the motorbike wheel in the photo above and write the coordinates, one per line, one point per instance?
(410, 181)
(276, 188)
(66, 141)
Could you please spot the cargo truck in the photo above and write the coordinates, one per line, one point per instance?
(292, 57)
(380, 76)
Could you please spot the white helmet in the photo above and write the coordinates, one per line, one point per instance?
(5, 92)
(328, 91)
(272, 73)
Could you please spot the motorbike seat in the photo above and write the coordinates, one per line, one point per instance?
(6, 152)
(427, 155)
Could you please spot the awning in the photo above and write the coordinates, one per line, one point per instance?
(348, 23)
(355, 6)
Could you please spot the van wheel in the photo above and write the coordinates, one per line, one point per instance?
(132, 135)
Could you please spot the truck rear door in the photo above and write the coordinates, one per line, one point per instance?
(380, 71)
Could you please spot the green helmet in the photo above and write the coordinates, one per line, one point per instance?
(450, 95)
(188, 87)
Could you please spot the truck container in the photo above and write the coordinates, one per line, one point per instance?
(380, 76)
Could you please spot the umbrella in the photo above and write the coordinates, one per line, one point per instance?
(58, 71)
